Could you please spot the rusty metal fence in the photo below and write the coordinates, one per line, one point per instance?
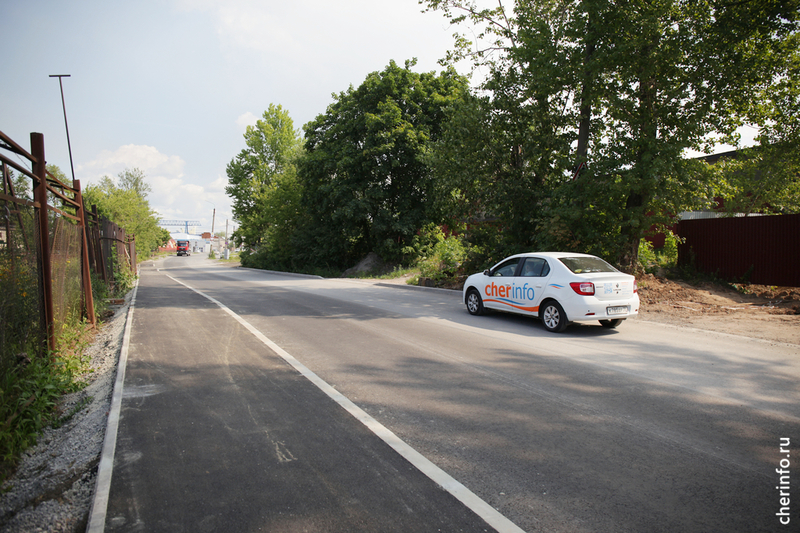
(20, 295)
(50, 245)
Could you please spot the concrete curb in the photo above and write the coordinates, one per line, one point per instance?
(97, 514)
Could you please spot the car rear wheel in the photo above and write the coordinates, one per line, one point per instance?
(474, 302)
(612, 323)
(553, 317)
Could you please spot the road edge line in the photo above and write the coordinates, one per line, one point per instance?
(97, 514)
(488, 513)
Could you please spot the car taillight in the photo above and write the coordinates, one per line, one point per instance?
(584, 288)
(635, 286)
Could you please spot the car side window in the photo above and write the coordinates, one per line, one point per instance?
(535, 267)
(506, 269)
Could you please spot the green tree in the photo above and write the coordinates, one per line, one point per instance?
(367, 184)
(763, 179)
(126, 206)
(164, 237)
(620, 90)
(766, 178)
(133, 179)
(498, 173)
(263, 186)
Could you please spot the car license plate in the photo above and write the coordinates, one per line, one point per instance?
(618, 310)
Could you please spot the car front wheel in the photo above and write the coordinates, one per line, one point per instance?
(612, 323)
(474, 302)
(553, 317)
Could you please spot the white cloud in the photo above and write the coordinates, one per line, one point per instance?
(219, 184)
(172, 195)
(246, 119)
(146, 158)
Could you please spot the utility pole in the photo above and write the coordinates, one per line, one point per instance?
(86, 281)
(213, 218)
(64, 106)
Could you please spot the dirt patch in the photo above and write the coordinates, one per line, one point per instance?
(770, 313)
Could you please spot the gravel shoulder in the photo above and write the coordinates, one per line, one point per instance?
(54, 485)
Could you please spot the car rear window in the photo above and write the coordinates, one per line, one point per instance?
(585, 265)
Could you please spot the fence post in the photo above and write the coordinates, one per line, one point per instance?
(101, 258)
(132, 253)
(9, 244)
(90, 238)
(40, 197)
(88, 298)
(110, 231)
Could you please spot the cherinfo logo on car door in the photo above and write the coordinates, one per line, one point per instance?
(518, 297)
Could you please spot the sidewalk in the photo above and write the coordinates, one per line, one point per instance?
(218, 433)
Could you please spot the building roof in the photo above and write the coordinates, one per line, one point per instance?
(181, 236)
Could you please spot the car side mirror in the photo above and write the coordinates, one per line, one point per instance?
(487, 272)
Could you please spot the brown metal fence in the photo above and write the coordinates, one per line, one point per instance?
(65, 266)
(756, 249)
(112, 241)
(49, 246)
(20, 294)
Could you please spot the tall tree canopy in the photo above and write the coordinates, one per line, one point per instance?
(126, 205)
(619, 89)
(367, 184)
(134, 179)
(262, 182)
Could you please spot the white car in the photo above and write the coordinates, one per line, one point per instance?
(557, 287)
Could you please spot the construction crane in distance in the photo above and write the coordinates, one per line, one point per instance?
(184, 223)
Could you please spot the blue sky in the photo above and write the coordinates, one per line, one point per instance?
(169, 86)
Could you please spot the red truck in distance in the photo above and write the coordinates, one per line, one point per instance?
(183, 248)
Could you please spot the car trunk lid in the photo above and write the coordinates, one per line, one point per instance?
(611, 285)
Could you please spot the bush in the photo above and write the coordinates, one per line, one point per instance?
(422, 244)
(31, 387)
(124, 276)
(445, 258)
(666, 257)
(647, 256)
(33, 379)
(20, 329)
(669, 253)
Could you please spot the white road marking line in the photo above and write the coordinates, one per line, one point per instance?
(424, 465)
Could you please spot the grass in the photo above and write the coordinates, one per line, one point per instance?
(397, 272)
(232, 258)
(30, 390)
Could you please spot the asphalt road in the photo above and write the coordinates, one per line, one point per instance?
(645, 428)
